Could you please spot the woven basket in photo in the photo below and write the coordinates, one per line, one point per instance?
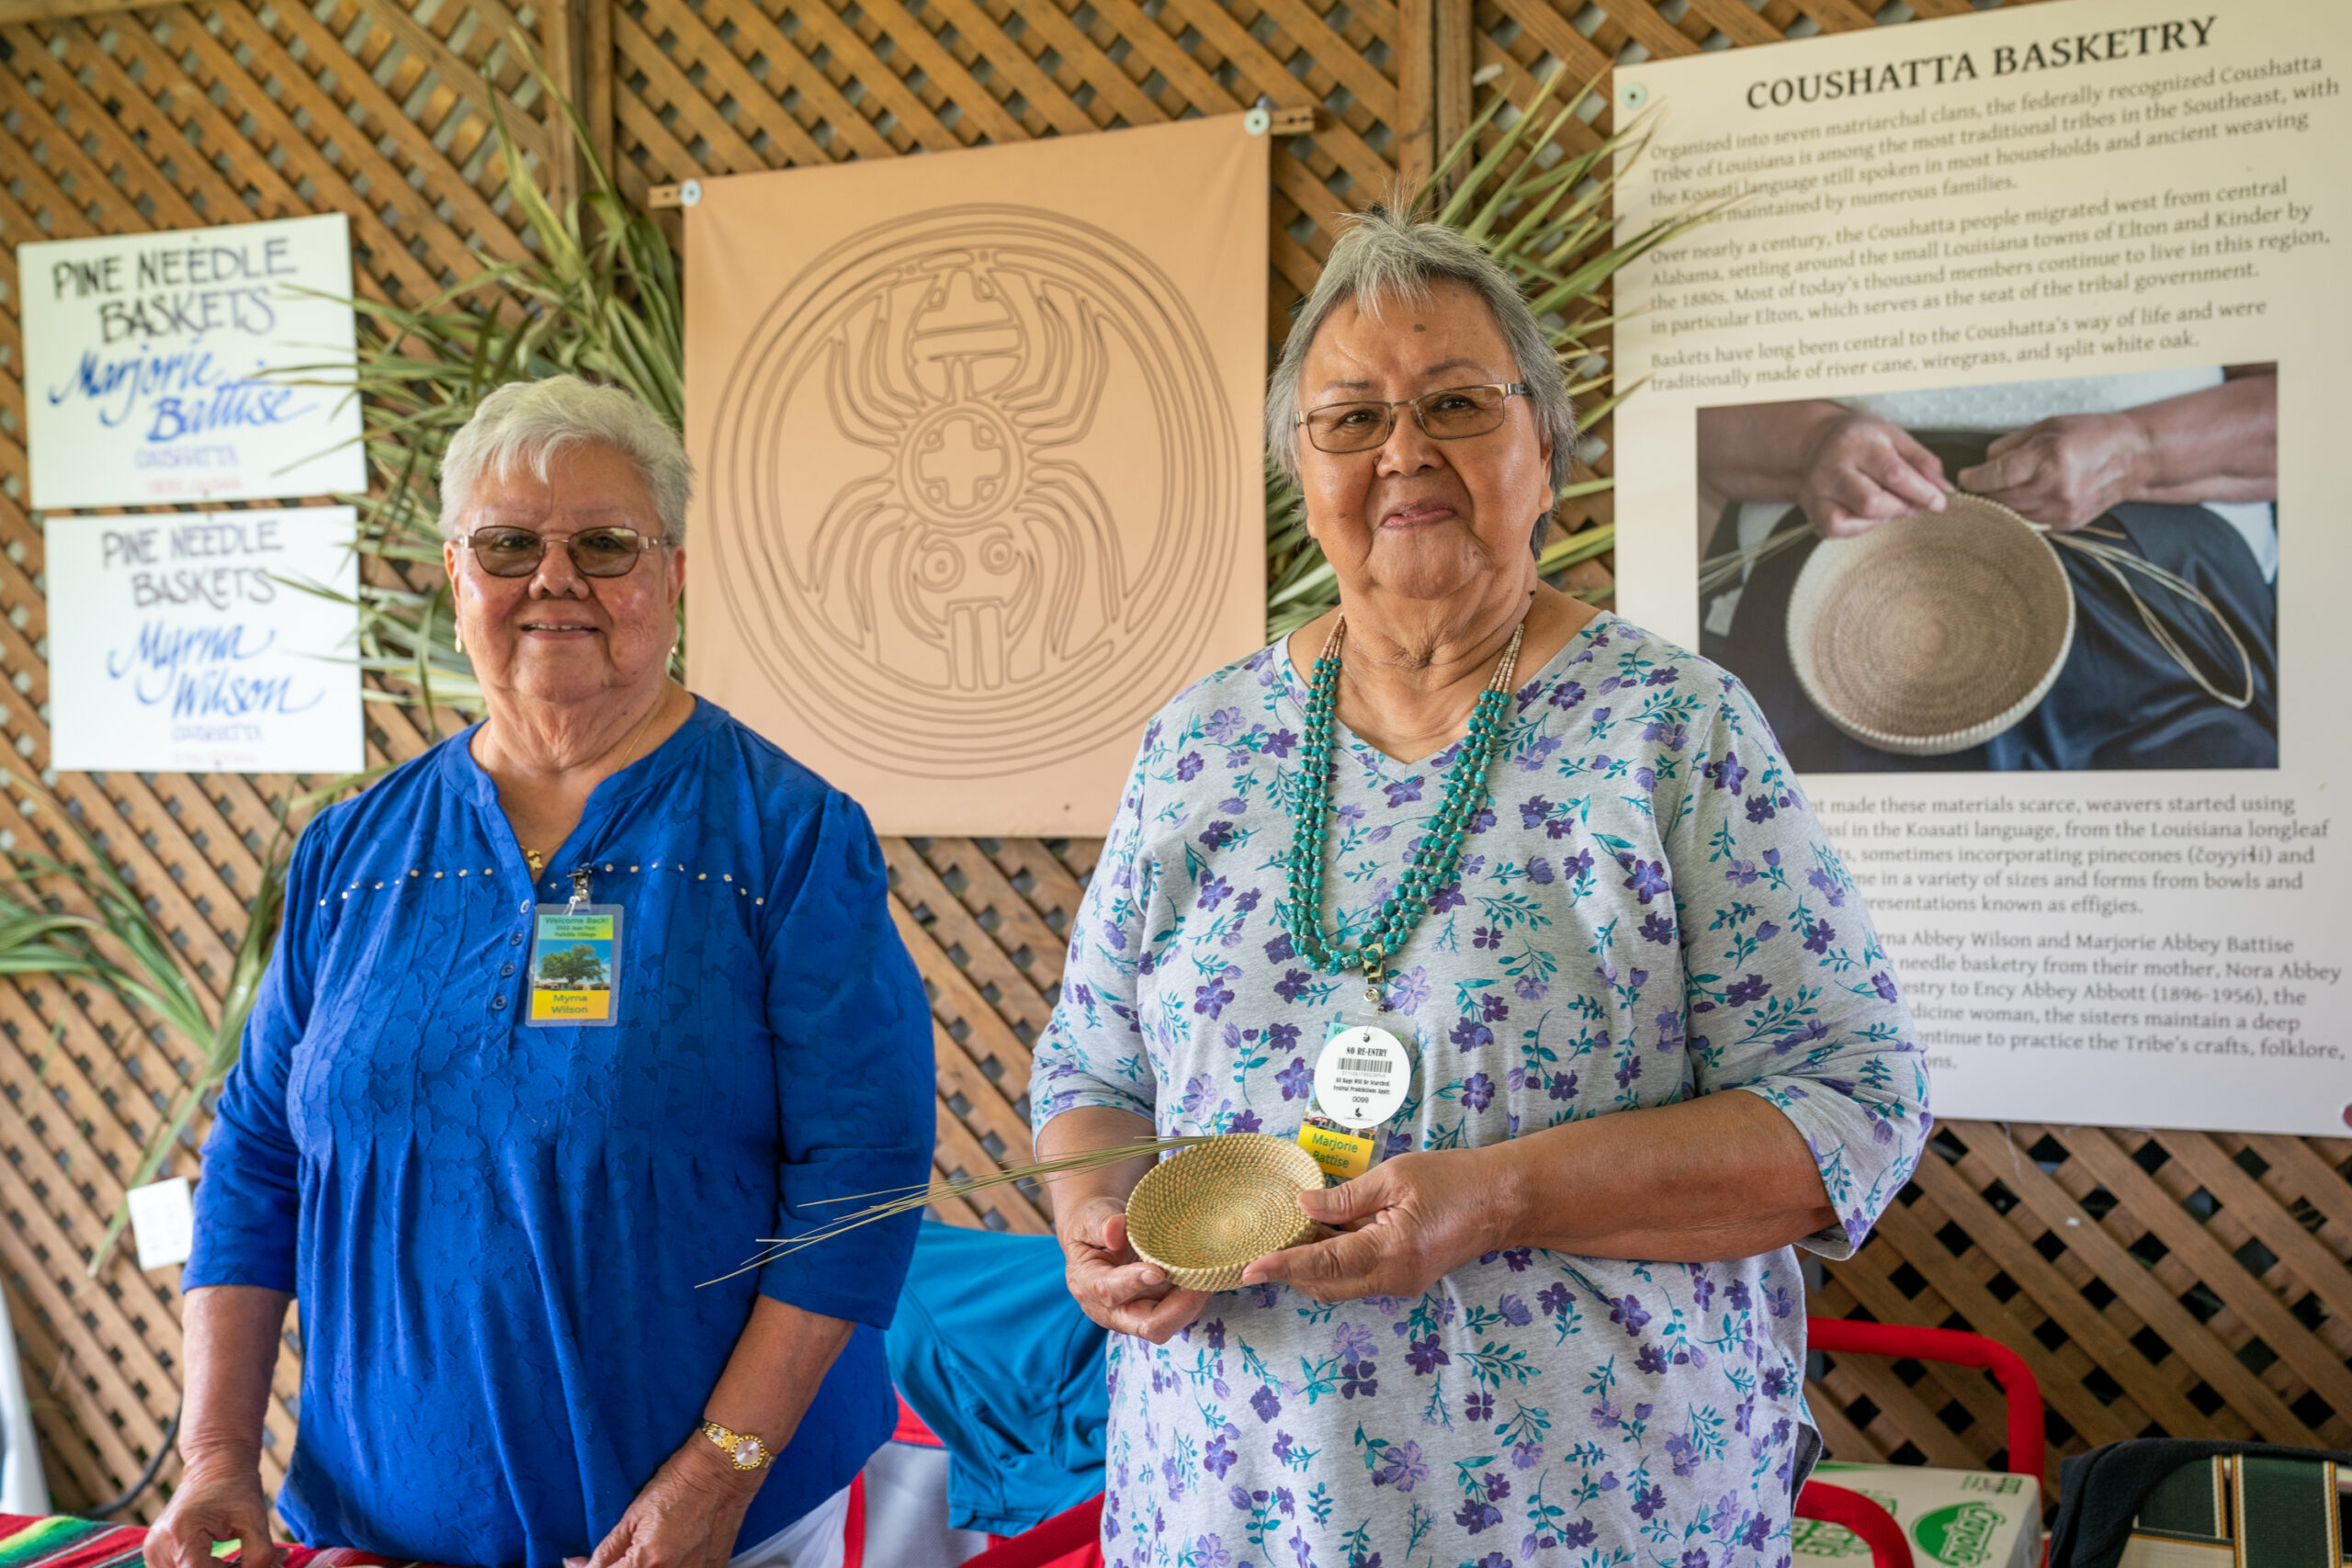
(1205, 1215)
(1932, 634)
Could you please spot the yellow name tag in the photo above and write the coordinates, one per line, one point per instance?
(1340, 1154)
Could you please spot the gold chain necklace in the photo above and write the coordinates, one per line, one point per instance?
(533, 858)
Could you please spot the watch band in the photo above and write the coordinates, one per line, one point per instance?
(742, 1451)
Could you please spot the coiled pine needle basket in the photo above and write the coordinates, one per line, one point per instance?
(1210, 1212)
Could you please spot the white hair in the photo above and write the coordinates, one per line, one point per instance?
(1383, 255)
(528, 421)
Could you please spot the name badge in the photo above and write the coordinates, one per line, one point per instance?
(575, 966)
(1362, 1076)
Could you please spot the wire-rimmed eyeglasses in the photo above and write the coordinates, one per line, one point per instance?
(1450, 414)
(595, 552)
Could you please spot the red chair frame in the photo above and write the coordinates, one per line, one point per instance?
(2019, 1392)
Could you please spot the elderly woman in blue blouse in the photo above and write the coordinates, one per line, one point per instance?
(1560, 1318)
(565, 1013)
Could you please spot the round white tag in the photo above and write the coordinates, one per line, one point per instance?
(1361, 1075)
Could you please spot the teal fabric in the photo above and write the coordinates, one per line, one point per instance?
(994, 1356)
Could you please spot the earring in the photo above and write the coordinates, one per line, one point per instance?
(458, 636)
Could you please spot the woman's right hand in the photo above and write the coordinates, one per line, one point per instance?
(1112, 1286)
(219, 1498)
(1860, 471)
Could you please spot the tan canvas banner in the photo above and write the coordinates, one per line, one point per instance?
(978, 437)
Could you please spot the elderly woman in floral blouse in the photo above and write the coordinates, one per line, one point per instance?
(1562, 1312)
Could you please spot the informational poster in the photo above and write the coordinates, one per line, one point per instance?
(151, 365)
(198, 642)
(979, 441)
(1995, 441)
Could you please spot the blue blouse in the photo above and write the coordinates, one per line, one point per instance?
(499, 1234)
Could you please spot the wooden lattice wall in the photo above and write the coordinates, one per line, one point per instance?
(2181, 1284)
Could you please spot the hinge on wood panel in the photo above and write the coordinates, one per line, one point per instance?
(685, 193)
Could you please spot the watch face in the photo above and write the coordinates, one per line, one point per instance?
(747, 1453)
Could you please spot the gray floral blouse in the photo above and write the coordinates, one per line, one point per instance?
(1647, 911)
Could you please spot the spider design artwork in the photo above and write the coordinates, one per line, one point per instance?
(975, 490)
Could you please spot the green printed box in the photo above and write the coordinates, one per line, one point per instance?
(1953, 1518)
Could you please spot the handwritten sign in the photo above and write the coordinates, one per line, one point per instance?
(148, 361)
(191, 643)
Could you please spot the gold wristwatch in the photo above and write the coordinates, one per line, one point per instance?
(742, 1451)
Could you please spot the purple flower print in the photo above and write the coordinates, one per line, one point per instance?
(1664, 675)
(1575, 866)
(1648, 1500)
(1826, 885)
(1608, 1415)
(1646, 877)
(1558, 828)
(1188, 767)
(1652, 1360)
(1741, 872)
(1554, 1299)
(1726, 773)
(1577, 1533)
(1626, 1311)
(1818, 935)
(1759, 807)
(1514, 1311)
(1533, 756)
(1215, 891)
(1281, 743)
(1695, 1558)
(1773, 859)
(1738, 1297)
(1447, 897)
(1404, 791)
(1426, 1355)
(1359, 1378)
(1297, 1079)
(1281, 1036)
(1482, 819)
(1294, 983)
(1533, 810)
(1883, 984)
(1562, 1086)
(1492, 1008)
(1539, 871)
(1486, 938)
(1479, 1091)
(1777, 1383)
(1217, 834)
(1479, 1406)
(1566, 696)
(1352, 1342)
(1470, 1034)
(1668, 733)
(1749, 988)
(1475, 1515)
(1517, 1259)
(1685, 1458)
(1283, 1446)
(1780, 1299)
(1223, 725)
(1214, 995)
(1703, 1290)
(1114, 935)
(1401, 1466)
(1526, 1456)
(1266, 1401)
(1658, 928)
(1408, 991)
(1498, 1485)
(1280, 950)
(1218, 1457)
(1753, 1531)
(1494, 1560)
(1209, 1551)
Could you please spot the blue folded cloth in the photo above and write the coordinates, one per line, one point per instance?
(992, 1353)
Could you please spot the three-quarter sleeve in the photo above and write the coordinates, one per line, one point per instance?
(1092, 1052)
(246, 1205)
(854, 1070)
(1789, 995)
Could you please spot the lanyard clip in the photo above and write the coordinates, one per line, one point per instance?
(1376, 979)
(579, 888)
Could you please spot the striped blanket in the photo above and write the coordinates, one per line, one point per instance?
(62, 1542)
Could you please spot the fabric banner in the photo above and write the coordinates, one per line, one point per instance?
(149, 362)
(1994, 441)
(977, 440)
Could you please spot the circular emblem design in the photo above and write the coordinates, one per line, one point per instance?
(974, 484)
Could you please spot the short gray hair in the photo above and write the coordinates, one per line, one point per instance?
(528, 421)
(1383, 255)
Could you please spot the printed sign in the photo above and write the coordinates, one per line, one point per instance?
(191, 642)
(575, 964)
(148, 361)
(2067, 712)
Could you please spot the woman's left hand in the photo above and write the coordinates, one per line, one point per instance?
(687, 1515)
(1402, 1224)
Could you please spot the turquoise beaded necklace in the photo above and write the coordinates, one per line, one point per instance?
(1441, 851)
